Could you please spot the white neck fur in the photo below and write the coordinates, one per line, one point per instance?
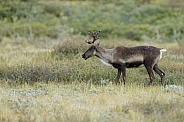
(105, 62)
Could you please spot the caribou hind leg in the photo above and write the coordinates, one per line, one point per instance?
(150, 73)
(160, 73)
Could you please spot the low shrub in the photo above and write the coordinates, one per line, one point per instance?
(70, 47)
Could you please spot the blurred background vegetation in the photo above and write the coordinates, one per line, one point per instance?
(140, 20)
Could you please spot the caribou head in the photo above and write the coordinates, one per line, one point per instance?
(94, 47)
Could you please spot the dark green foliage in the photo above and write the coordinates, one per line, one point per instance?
(133, 19)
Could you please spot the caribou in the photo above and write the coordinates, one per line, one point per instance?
(127, 57)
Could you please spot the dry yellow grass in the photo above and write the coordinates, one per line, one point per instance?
(82, 103)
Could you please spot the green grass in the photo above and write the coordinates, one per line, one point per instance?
(49, 81)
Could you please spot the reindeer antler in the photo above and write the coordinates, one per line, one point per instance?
(95, 36)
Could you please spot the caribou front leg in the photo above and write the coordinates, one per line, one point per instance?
(118, 76)
(123, 70)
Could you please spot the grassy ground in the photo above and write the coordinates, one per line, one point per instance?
(39, 84)
(84, 103)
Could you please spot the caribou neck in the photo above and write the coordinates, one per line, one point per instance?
(105, 55)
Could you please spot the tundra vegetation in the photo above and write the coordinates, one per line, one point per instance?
(44, 78)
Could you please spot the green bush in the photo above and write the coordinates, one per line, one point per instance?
(70, 47)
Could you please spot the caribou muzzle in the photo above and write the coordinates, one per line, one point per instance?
(84, 56)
